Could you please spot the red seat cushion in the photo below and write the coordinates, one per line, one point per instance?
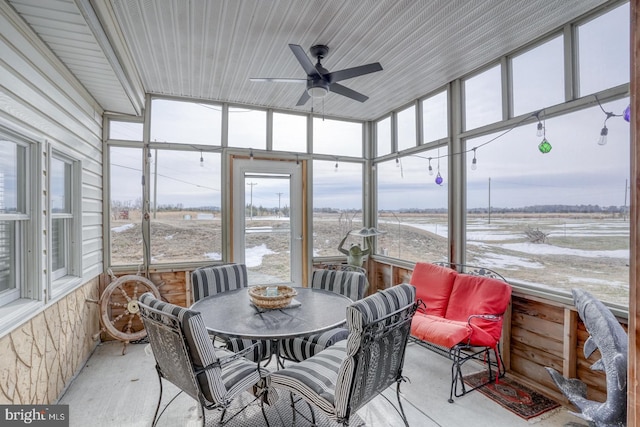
(479, 295)
(433, 286)
(439, 331)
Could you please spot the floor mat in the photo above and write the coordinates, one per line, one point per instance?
(517, 398)
(280, 414)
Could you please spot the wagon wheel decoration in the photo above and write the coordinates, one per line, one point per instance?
(120, 300)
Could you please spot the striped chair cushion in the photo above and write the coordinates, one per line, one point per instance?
(383, 359)
(213, 280)
(261, 350)
(299, 349)
(328, 379)
(314, 379)
(220, 278)
(351, 284)
(218, 384)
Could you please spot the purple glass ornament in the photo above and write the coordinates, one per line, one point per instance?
(627, 113)
(439, 179)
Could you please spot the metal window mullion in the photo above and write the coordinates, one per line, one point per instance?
(146, 175)
(457, 184)
(571, 79)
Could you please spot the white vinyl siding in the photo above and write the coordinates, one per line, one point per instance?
(50, 112)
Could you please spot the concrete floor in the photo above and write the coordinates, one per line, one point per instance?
(116, 390)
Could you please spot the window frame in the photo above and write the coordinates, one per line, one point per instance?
(65, 278)
(28, 291)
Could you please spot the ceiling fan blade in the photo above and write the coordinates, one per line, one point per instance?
(303, 99)
(277, 80)
(304, 60)
(349, 73)
(349, 93)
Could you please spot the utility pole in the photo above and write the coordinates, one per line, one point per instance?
(279, 195)
(624, 207)
(251, 203)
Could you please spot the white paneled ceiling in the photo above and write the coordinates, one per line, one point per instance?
(209, 49)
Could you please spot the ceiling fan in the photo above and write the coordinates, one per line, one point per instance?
(319, 80)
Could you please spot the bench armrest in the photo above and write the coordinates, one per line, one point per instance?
(490, 317)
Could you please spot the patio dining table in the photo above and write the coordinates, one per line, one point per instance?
(231, 314)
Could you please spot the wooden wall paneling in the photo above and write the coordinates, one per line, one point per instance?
(187, 288)
(506, 338)
(570, 340)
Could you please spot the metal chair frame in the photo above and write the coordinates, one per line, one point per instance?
(394, 327)
(462, 353)
(175, 364)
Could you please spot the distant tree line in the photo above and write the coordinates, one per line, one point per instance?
(553, 209)
(525, 209)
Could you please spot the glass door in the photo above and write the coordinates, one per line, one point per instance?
(267, 220)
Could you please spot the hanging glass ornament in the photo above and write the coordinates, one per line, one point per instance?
(627, 113)
(439, 179)
(544, 146)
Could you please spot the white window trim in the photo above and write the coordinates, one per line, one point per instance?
(28, 299)
(63, 280)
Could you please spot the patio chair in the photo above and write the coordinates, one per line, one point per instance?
(343, 378)
(352, 284)
(211, 280)
(186, 357)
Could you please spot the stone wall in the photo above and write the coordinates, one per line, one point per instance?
(40, 358)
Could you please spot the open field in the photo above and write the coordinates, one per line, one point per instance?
(580, 250)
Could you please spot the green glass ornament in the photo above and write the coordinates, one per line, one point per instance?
(544, 146)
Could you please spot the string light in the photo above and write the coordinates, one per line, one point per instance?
(201, 160)
(335, 169)
(603, 135)
(297, 161)
(430, 168)
(439, 179)
(602, 139)
(474, 162)
(544, 145)
(540, 128)
(250, 154)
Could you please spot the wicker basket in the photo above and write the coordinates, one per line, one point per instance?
(259, 297)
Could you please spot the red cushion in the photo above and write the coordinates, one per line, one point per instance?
(440, 331)
(433, 286)
(479, 295)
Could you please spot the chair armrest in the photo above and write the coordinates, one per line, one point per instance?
(227, 359)
(331, 337)
(490, 317)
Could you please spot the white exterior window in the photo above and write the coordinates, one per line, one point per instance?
(14, 218)
(65, 247)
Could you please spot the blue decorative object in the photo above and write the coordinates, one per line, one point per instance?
(627, 113)
(439, 179)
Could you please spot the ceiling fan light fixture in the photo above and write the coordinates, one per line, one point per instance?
(317, 91)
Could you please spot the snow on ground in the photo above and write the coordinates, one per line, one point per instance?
(122, 228)
(253, 256)
(213, 255)
(545, 249)
(604, 282)
(505, 261)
